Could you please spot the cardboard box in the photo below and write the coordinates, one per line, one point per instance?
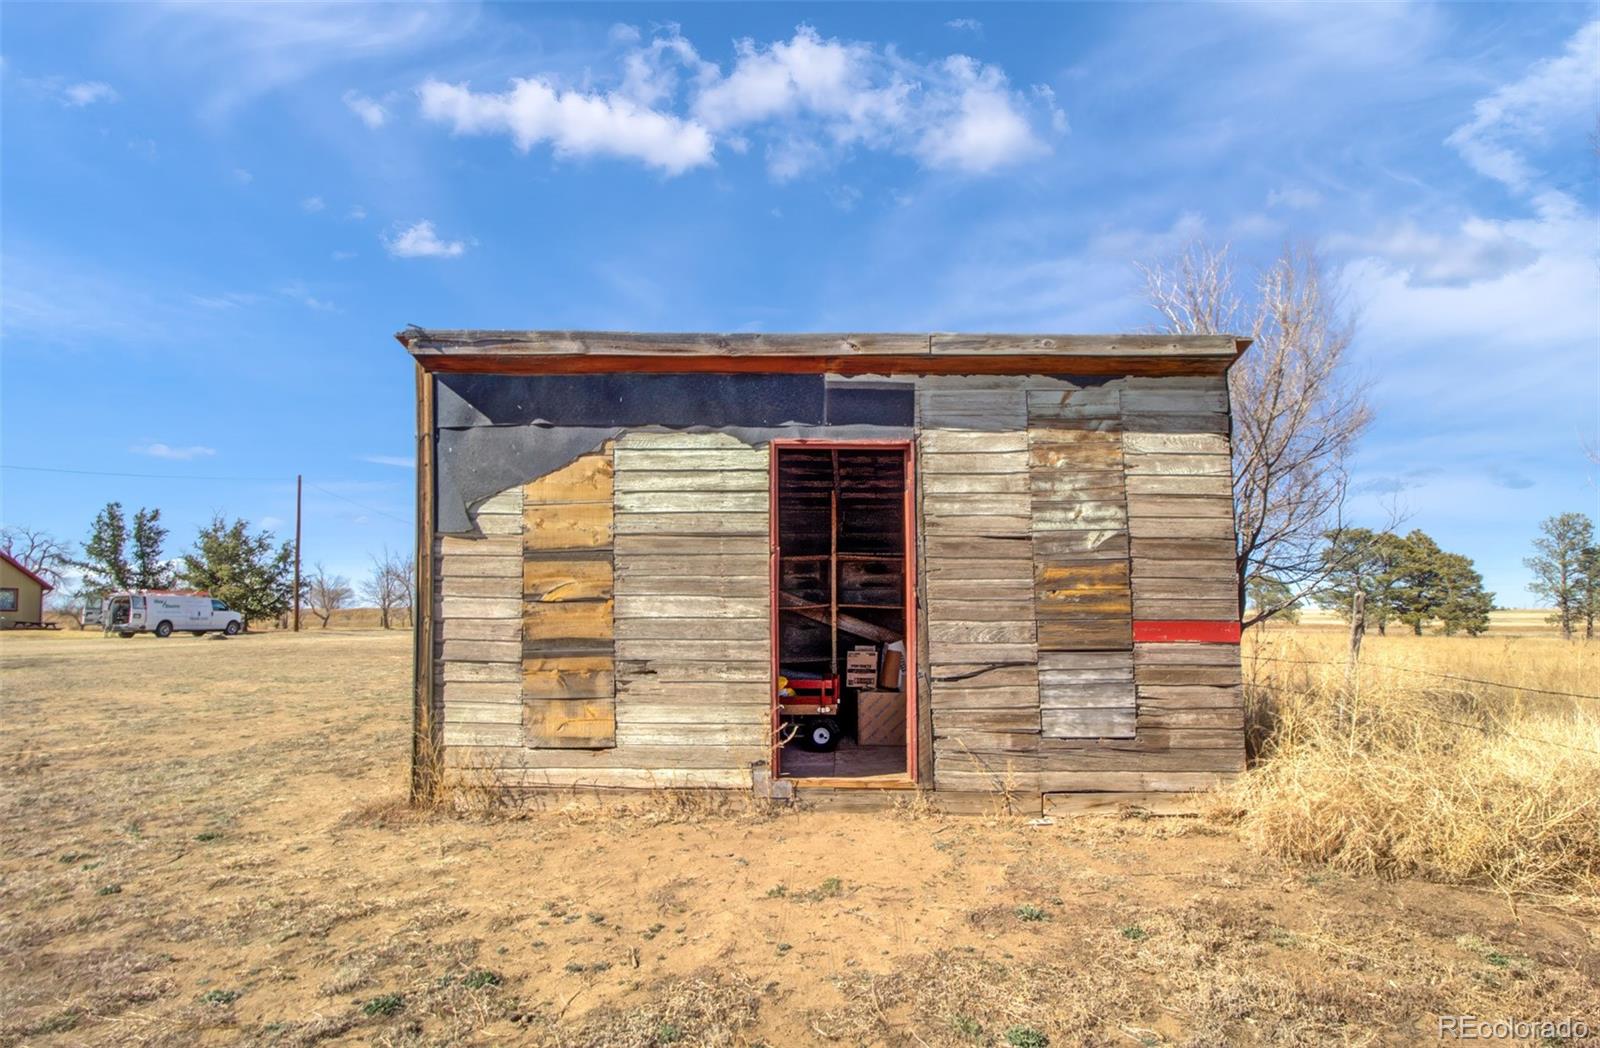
(861, 667)
(881, 718)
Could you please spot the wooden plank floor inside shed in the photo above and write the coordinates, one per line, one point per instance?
(885, 764)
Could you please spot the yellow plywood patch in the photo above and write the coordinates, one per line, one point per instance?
(571, 677)
(547, 579)
(570, 525)
(569, 723)
(588, 479)
(568, 646)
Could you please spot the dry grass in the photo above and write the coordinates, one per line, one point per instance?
(243, 798)
(1403, 769)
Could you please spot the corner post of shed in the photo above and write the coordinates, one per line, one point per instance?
(426, 748)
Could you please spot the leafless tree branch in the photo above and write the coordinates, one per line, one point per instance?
(1297, 412)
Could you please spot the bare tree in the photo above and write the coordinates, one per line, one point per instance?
(326, 593)
(389, 585)
(37, 550)
(1296, 411)
(403, 566)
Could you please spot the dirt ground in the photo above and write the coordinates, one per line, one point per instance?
(204, 843)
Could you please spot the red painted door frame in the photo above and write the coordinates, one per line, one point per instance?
(908, 524)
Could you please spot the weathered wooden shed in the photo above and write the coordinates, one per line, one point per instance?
(1006, 561)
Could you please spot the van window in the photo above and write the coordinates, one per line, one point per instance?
(217, 605)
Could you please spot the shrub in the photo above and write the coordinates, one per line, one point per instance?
(1407, 772)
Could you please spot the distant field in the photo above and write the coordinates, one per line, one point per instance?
(204, 841)
(1509, 622)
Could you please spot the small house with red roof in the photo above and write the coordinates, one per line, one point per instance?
(21, 594)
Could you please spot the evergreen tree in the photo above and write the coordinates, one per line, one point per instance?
(105, 556)
(1589, 569)
(1463, 604)
(1264, 591)
(1359, 559)
(242, 569)
(150, 571)
(1557, 567)
(1417, 591)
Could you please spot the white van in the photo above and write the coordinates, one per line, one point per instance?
(163, 611)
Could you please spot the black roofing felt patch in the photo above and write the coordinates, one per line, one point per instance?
(630, 400)
(871, 405)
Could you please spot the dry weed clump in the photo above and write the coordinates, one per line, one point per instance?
(1402, 769)
(703, 1010)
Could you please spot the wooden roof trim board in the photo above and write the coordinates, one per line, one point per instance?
(586, 352)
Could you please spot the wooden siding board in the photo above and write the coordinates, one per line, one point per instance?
(692, 597)
(976, 505)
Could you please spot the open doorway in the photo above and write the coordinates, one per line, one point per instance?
(843, 612)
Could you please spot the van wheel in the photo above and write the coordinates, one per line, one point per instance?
(231, 629)
(163, 629)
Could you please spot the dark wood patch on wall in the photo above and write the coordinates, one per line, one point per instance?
(1082, 589)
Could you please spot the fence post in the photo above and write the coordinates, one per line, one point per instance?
(1358, 631)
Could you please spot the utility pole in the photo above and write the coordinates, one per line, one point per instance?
(297, 482)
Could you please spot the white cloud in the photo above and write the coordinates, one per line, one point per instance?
(985, 129)
(156, 449)
(404, 461)
(225, 56)
(226, 300)
(299, 293)
(87, 93)
(1482, 249)
(1529, 282)
(371, 112)
(968, 25)
(356, 213)
(574, 123)
(806, 100)
(312, 204)
(343, 256)
(1524, 112)
(243, 177)
(420, 241)
(1299, 198)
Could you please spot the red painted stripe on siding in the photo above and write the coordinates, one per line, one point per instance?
(1197, 631)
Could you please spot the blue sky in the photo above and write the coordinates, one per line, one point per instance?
(212, 219)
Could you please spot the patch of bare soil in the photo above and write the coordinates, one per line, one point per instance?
(205, 843)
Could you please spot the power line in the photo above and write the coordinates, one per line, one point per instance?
(359, 505)
(1430, 673)
(198, 476)
(142, 476)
